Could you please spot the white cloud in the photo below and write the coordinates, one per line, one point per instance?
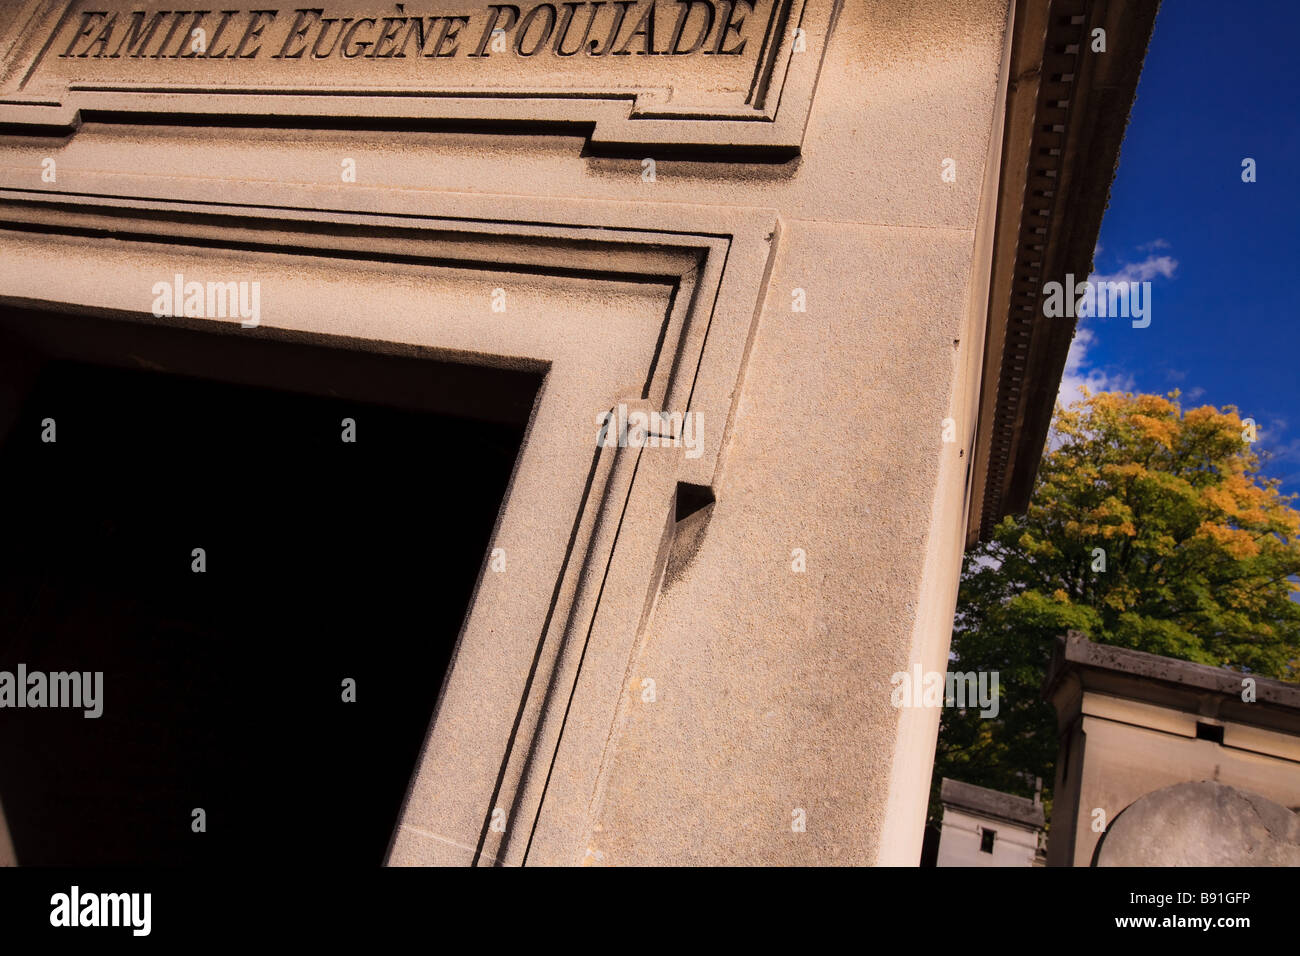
(1149, 268)
(1080, 372)
(1271, 438)
(1283, 456)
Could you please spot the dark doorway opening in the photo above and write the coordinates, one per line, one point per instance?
(224, 690)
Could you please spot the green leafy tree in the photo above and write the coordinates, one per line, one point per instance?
(1200, 556)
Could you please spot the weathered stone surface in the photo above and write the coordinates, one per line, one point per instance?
(721, 73)
(992, 803)
(1202, 824)
(1132, 723)
(381, 201)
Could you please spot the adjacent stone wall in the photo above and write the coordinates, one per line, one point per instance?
(771, 737)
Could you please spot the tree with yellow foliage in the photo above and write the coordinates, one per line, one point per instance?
(1150, 527)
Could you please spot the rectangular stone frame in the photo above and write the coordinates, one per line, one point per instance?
(544, 666)
(772, 120)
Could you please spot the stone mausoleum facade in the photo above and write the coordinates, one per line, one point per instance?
(755, 281)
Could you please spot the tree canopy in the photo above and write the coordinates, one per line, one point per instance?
(1150, 527)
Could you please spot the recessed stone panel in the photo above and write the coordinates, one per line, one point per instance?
(682, 72)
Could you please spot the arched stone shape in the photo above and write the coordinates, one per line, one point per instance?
(1201, 824)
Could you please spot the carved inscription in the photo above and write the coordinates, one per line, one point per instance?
(595, 28)
(720, 70)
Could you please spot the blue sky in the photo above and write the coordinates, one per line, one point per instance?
(1220, 84)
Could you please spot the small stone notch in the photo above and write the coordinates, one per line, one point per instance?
(691, 499)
